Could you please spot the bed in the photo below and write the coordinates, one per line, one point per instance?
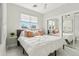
(41, 45)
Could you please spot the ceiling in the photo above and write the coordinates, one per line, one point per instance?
(41, 7)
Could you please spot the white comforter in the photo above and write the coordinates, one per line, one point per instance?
(41, 45)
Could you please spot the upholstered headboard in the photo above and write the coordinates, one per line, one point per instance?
(19, 32)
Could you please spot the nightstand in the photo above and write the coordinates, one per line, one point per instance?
(12, 41)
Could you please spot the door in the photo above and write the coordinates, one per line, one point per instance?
(76, 19)
(0, 21)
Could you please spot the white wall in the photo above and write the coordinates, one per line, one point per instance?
(13, 17)
(62, 10)
(69, 7)
(4, 30)
(0, 21)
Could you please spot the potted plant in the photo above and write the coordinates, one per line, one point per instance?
(12, 34)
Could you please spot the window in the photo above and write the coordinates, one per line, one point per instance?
(34, 22)
(28, 22)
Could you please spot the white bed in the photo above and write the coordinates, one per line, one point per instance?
(41, 45)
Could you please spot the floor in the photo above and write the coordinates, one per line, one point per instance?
(15, 51)
(68, 51)
(18, 51)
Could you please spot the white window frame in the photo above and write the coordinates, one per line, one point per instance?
(30, 20)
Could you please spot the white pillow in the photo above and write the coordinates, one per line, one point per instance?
(22, 33)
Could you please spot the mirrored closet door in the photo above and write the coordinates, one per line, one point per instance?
(68, 31)
(76, 29)
(71, 30)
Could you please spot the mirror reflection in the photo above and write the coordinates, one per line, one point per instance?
(71, 30)
(53, 27)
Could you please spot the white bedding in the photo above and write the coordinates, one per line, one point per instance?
(41, 45)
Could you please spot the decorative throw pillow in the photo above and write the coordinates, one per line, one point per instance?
(28, 34)
(38, 33)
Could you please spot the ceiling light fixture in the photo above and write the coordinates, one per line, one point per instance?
(44, 5)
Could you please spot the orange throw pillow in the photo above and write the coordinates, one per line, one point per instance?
(28, 34)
